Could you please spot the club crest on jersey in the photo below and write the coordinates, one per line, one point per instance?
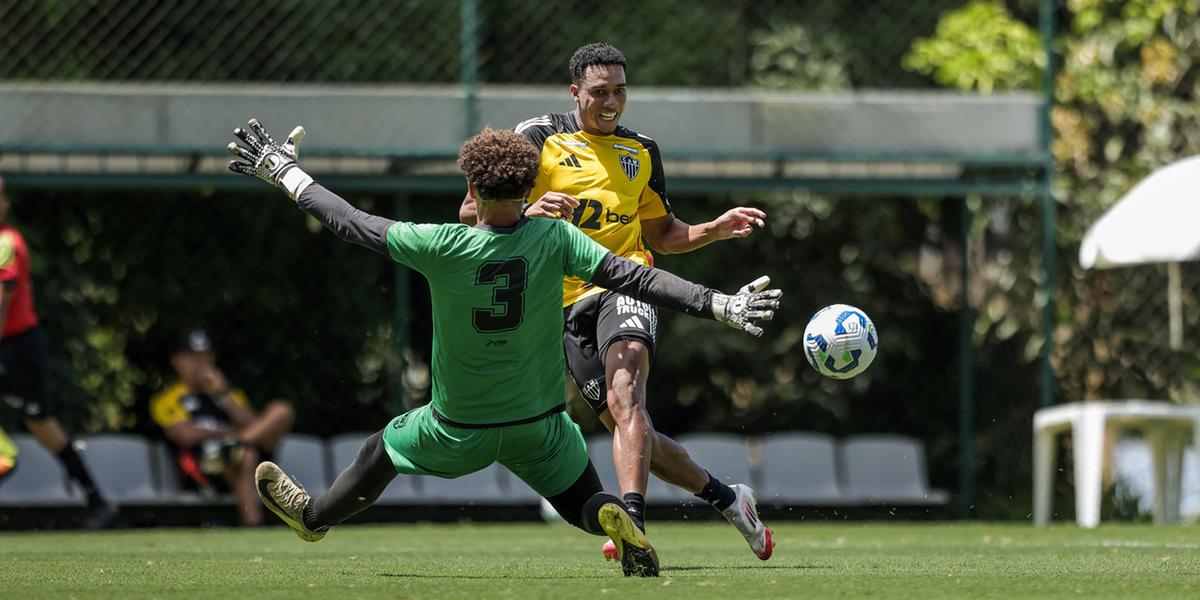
(591, 390)
(631, 166)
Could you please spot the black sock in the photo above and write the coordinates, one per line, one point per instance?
(310, 516)
(76, 469)
(636, 503)
(355, 489)
(717, 493)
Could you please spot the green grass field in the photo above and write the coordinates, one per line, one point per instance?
(850, 560)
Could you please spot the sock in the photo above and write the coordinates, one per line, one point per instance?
(310, 516)
(717, 493)
(355, 488)
(76, 469)
(636, 504)
(589, 521)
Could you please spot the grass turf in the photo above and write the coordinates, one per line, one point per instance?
(701, 560)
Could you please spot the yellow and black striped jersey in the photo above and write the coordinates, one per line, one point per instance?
(178, 404)
(617, 179)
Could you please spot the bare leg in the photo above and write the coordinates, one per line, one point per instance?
(627, 366)
(49, 433)
(240, 476)
(269, 428)
(669, 460)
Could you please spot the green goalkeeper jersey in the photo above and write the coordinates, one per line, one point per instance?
(497, 312)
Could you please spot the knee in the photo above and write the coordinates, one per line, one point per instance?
(250, 458)
(283, 408)
(627, 361)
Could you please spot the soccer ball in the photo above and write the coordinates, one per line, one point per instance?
(840, 341)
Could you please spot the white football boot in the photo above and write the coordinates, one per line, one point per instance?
(743, 515)
(285, 498)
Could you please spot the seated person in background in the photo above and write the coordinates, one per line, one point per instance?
(218, 437)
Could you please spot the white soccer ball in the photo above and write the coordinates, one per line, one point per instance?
(840, 341)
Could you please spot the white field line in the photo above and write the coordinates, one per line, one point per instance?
(1022, 545)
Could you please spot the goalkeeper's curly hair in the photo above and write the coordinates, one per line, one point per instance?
(597, 53)
(500, 163)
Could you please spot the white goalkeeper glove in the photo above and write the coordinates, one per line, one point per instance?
(752, 303)
(270, 161)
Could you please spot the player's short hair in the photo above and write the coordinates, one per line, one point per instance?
(594, 54)
(500, 163)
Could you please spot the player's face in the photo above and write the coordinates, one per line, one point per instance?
(600, 98)
(191, 366)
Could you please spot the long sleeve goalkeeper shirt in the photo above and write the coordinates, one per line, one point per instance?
(648, 284)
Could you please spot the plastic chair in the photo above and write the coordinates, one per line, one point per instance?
(121, 466)
(39, 478)
(302, 457)
(883, 469)
(800, 468)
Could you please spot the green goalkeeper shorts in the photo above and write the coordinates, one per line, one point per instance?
(548, 454)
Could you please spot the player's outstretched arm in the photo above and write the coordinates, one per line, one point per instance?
(669, 235)
(277, 164)
(744, 310)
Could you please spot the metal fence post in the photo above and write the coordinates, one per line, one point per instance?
(1049, 214)
(469, 44)
(966, 379)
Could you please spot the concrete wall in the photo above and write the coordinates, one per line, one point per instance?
(419, 120)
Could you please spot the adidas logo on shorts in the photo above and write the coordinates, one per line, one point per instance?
(634, 323)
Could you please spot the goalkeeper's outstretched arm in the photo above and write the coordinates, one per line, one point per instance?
(345, 221)
(751, 304)
(277, 165)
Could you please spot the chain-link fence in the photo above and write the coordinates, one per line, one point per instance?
(816, 44)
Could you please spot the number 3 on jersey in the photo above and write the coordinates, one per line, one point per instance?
(508, 295)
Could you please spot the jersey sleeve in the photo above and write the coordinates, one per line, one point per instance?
(537, 130)
(653, 202)
(581, 254)
(166, 408)
(10, 267)
(412, 245)
(239, 397)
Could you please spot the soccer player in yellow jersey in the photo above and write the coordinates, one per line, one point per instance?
(608, 180)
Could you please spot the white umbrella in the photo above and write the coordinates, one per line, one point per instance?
(1158, 221)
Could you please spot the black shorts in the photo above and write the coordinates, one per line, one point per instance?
(23, 377)
(592, 325)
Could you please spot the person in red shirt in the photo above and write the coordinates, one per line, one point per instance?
(23, 367)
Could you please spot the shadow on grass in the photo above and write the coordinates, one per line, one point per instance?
(549, 577)
(740, 567)
(665, 570)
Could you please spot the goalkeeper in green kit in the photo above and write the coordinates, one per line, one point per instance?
(498, 387)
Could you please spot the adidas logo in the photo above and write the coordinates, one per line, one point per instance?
(570, 161)
(633, 323)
